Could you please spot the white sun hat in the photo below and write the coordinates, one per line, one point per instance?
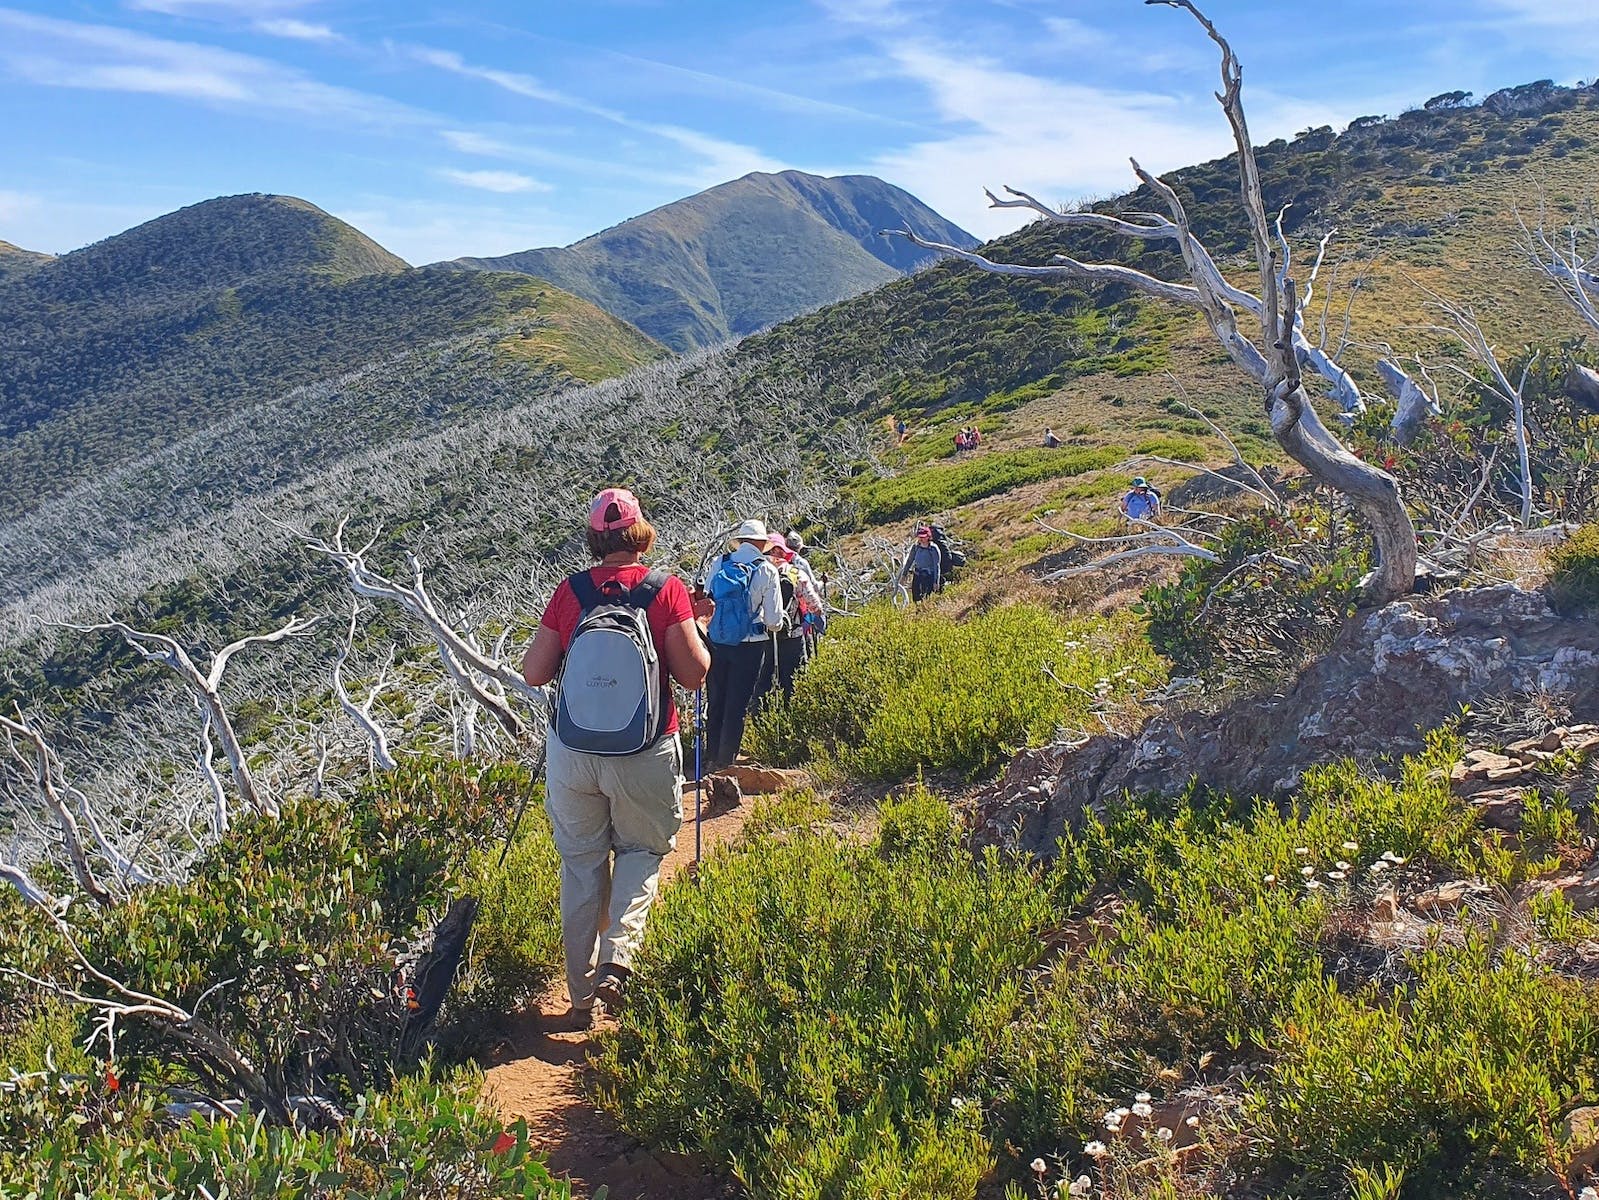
(752, 530)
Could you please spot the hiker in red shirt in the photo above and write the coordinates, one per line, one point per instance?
(615, 766)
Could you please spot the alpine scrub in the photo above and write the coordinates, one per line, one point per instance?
(888, 695)
(811, 1005)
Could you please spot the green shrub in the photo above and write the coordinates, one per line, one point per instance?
(284, 938)
(891, 693)
(516, 941)
(1574, 571)
(71, 1137)
(841, 994)
(1275, 594)
(938, 488)
(1453, 1076)
(1218, 935)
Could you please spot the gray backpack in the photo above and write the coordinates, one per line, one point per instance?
(610, 688)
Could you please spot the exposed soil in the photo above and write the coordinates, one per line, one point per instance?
(539, 1072)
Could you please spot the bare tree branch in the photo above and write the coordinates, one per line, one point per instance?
(46, 769)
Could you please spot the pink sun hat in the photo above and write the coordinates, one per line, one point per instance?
(614, 508)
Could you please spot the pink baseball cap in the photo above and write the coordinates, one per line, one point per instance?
(614, 508)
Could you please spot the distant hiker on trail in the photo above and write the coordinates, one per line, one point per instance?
(1050, 440)
(615, 768)
(1142, 503)
(963, 439)
(802, 602)
(974, 439)
(901, 431)
(748, 607)
(924, 564)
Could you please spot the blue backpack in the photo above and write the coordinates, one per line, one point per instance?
(729, 586)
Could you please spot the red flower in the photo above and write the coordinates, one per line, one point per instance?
(112, 1083)
(504, 1143)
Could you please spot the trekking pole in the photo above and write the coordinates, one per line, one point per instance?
(699, 741)
(538, 765)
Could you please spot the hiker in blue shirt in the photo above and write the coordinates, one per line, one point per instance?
(1142, 503)
(748, 611)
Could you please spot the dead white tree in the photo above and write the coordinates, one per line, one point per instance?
(1569, 258)
(483, 679)
(361, 714)
(44, 769)
(1276, 360)
(1461, 325)
(205, 687)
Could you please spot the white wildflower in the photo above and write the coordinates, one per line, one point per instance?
(1336, 876)
(1341, 865)
(1307, 872)
(1142, 1110)
(1124, 1112)
(1378, 867)
(1351, 846)
(1301, 850)
(1192, 1122)
(1163, 1134)
(1143, 1097)
(1039, 1166)
(957, 1103)
(1081, 1186)
(1113, 1123)
(1271, 879)
(1096, 1149)
(1312, 884)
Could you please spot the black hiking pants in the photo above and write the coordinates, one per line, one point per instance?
(729, 690)
(780, 673)
(923, 585)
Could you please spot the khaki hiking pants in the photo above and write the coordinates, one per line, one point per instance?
(627, 806)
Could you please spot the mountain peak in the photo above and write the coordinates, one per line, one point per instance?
(227, 242)
(742, 255)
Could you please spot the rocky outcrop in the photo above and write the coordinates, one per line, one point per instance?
(1392, 675)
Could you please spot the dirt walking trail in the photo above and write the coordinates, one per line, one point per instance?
(538, 1073)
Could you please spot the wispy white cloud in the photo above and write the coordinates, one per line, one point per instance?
(468, 141)
(1061, 141)
(232, 8)
(719, 158)
(57, 53)
(291, 27)
(494, 181)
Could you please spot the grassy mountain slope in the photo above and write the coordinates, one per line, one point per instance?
(951, 346)
(15, 261)
(740, 256)
(121, 346)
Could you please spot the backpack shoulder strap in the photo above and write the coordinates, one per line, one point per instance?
(642, 594)
(586, 590)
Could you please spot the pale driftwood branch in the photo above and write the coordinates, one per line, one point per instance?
(361, 714)
(205, 763)
(18, 877)
(46, 770)
(1152, 540)
(158, 647)
(1412, 405)
(483, 679)
(1575, 273)
(1465, 329)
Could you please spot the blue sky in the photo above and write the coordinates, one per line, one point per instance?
(494, 126)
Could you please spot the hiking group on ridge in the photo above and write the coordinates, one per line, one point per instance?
(615, 637)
